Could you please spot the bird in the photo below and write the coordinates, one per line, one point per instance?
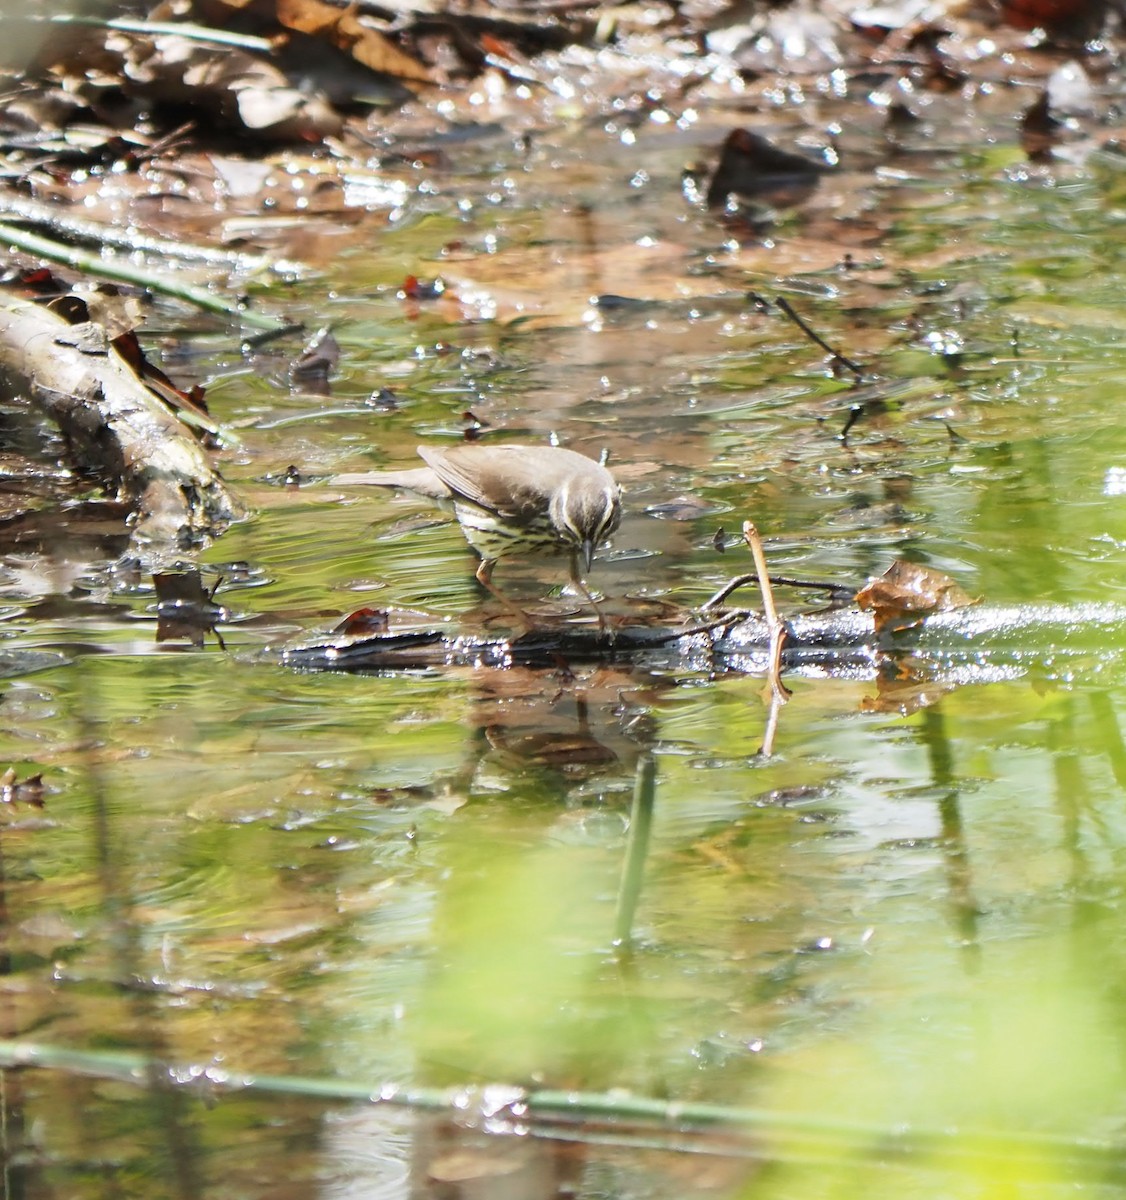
(513, 500)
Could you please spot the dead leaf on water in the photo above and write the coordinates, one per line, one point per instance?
(907, 592)
(21, 791)
(750, 166)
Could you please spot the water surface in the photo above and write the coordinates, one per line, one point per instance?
(904, 916)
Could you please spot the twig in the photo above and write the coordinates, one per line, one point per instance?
(778, 690)
(184, 29)
(94, 264)
(613, 1117)
(855, 412)
(732, 585)
(817, 585)
(787, 310)
(64, 222)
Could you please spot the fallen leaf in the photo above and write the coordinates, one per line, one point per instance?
(907, 592)
(21, 791)
(346, 32)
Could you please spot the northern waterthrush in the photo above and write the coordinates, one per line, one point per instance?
(516, 500)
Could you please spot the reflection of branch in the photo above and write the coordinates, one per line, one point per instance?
(637, 848)
(959, 878)
(1070, 787)
(169, 1103)
(1110, 736)
(772, 715)
(13, 1112)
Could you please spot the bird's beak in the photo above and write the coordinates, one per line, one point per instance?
(586, 553)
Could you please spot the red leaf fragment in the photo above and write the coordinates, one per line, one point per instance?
(421, 289)
(363, 622)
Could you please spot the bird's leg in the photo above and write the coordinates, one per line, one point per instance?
(485, 579)
(580, 583)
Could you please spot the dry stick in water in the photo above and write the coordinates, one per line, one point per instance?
(836, 590)
(779, 693)
(93, 264)
(787, 309)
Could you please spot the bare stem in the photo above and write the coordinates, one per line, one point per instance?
(788, 310)
(778, 690)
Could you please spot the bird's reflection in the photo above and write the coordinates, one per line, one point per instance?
(563, 729)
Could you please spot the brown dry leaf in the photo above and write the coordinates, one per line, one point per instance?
(346, 32)
(1039, 129)
(21, 791)
(907, 592)
(113, 309)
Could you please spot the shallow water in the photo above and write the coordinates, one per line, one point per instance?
(899, 918)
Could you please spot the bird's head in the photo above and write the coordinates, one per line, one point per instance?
(586, 510)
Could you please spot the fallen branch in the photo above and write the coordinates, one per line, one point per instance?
(117, 429)
(184, 29)
(964, 645)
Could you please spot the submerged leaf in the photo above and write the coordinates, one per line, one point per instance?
(752, 167)
(21, 791)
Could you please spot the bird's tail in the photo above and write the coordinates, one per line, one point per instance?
(422, 480)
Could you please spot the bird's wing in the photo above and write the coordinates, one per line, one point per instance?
(515, 488)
